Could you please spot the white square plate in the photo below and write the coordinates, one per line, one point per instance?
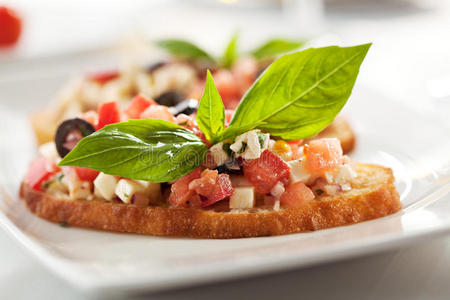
(415, 145)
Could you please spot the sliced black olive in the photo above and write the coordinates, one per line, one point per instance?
(221, 169)
(155, 66)
(186, 107)
(170, 98)
(69, 133)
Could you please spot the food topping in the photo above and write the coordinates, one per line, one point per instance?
(69, 133)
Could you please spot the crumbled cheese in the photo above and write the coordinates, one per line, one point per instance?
(78, 189)
(250, 140)
(48, 150)
(345, 174)
(243, 198)
(219, 155)
(126, 188)
(298, 171)
(276, 206)
(105, 186)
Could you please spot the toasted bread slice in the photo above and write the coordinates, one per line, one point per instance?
(373, 195)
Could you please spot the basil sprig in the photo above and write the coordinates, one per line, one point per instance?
(184, 49)
(211, 112)
(152, 150)
(295, 98)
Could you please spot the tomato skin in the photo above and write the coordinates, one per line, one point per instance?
(180, 193)
(137, 106)
(297, 195)
(10, 27)
(108, 113)
(263, 173)
(160, 112)
(41, 169)
(323, 155)
(103, 77)
(212, 186)
(86, 174)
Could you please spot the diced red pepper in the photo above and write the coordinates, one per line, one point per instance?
(213, 187)
(323, 155)
(86, 174)
(103, 77)
(108, 113)
(297, 195)
(137, 106)
(40, 170)
(180, 193)
(263, 173)
(10, 26)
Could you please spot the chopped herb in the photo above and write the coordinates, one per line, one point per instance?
(244, 146)
(185, 123)
(63, 224)
(261, 139)
(60, 177)
(46, 184)
(319, 192)
(227, 149)
(126, 195)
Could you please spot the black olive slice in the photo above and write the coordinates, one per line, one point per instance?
(155, 66)
(69, 133)
(186, 107)
(170, 98)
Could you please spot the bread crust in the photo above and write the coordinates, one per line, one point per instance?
(367, 200)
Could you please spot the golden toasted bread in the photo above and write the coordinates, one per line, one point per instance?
(373, 195)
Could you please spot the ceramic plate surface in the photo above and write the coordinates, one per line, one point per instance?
(415, 145)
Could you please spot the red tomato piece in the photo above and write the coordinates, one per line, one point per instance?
(137, 106)
(263, 173)
(86, 174)
(160, 112)
(10, 26)
(40, 170)
(180, 193)
(297, 195)
(212, 186)
(244, 72)
(323, 155)
(103, 77)
(228, 116)
(227, 86)
(108, 113)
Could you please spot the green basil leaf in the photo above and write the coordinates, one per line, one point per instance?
(211, 112)
(230, 55)
(184, 49)
(152, 150)
(300, 93)
(275, 47)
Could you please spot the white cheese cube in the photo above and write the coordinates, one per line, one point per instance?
(298, 171)
(242, 198)
(105, 186)
(48, 150)
(220, 157)
(77, 188)
(253, 149)
(126, 188)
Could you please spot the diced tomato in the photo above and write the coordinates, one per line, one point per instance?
(263, 173)
(323, 155)
(108, 113)
(91, 117)
(10, 27)
(137, 106)
(297, 195)
(295, 151)
(244, 72)
(227, 86)
(103, 77)
(86, 174)
(212, 186)
(160, 112)
(40, 170)
(180, 193)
